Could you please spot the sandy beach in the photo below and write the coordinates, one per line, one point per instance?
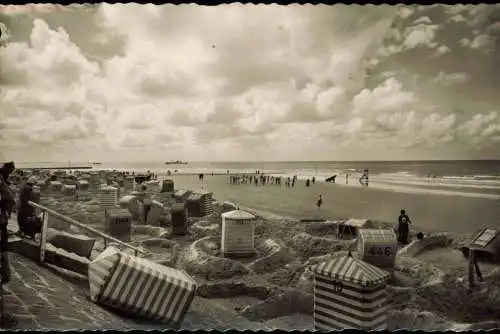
(454, 214)
(273, 289)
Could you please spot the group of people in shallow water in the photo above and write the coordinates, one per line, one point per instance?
(260, 179)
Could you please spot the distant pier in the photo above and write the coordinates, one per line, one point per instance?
(56, 167)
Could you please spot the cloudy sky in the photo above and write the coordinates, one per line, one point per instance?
(244, 82)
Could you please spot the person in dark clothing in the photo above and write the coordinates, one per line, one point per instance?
(29, 223)
(7, 199)
(7, 203)
(308, 183)
(146, 201)
(403, 227)
(313, 180)
(319, 202)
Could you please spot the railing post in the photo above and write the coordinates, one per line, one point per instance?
(43, 236)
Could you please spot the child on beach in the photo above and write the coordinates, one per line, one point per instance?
(319, 202)
(403, 227)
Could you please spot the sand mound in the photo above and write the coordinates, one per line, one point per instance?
(204, 228)
(322, 228)
(165, 252)
(198, 262)
(306, 245)
(232, 289)
(424, 273)
(448, 305)
(430, 242)
(454, 301)
(279, 305)
(278, 229)
(415, 319)
(287, 276)
(129, 251)
(274, 257)
(153, 231)
(295, 322)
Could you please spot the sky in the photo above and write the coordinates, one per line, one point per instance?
(249, 82)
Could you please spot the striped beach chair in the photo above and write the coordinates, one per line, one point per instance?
(141, 287)
(349, 293)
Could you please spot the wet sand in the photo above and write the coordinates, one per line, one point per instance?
(454, 214)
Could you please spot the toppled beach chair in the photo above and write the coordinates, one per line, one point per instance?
(141, 287)
(485, 248)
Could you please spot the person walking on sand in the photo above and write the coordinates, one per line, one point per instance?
(319, 202)
(146, 202)
(403, 227)
(314, 180)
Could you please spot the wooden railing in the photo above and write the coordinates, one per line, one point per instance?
(43, 239)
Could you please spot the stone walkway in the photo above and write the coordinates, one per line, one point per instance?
(40, 299)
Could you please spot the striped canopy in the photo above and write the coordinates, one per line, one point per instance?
(377, 236)
(353, 270)
(238, 215)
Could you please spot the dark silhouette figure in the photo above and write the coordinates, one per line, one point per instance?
(403, 227)
(308, 183)
(146, 201)
(29, 223)
(313, 180)
(319, 202)
(7, 203)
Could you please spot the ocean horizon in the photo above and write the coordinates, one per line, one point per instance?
(469, 178)
(437, 168)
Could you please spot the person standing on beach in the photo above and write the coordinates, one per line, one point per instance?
(146, 202)
(403, 227)
(319, 202)
(314, 180)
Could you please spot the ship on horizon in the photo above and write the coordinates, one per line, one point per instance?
(176, 162)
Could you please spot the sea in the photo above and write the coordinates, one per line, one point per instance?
(469, 178)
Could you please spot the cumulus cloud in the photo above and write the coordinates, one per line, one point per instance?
(421, 33)
(481, 129)
(481, 42)
(219, 82)
(444, 78)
